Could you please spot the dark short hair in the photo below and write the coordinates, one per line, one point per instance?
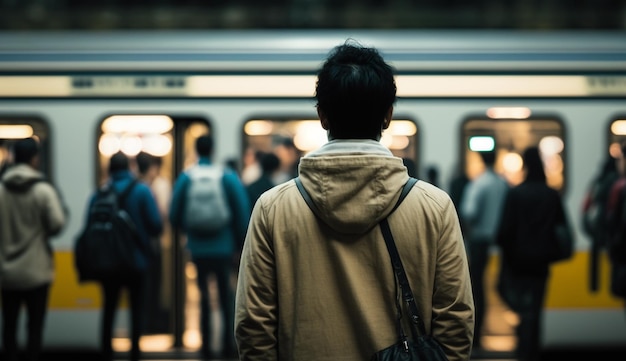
(144, 160)
(118, 161)
(269, 162)
(489, 157)
(355, 89)
(204, 145)
(24, 150)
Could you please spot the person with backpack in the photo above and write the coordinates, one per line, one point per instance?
(142, 209)
(31, 212)
(211, 206)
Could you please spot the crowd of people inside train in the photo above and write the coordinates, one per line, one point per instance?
(354, 191)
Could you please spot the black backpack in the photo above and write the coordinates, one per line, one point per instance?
(107, 246)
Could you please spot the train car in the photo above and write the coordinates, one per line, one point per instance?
(88, 95)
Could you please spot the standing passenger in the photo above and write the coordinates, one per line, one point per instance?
(31, 212)
(149, 169)
(526, 234)
(616, 229)
(481, 207)
(269, 165)
(321, 286)
(213, 254)
(143, 210)
(594, 217)
(289, 156)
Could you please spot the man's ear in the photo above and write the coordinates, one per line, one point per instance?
(323, 119)
(388, 118)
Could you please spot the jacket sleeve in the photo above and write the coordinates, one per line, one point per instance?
(453, 304)
(256, 305)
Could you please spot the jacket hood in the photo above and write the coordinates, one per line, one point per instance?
(354, 184)
(20, 177)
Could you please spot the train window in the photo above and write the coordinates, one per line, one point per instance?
(266, 133)
(510, 131)
(617, 135)
(13, 128)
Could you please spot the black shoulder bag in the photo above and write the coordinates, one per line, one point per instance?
(422, 347)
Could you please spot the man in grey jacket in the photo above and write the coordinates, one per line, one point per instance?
(30, 213)
(481, 210)
(322, 287)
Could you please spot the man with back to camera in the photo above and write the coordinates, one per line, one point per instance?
(144, 212)
(31, 212)
(214, 253)
(323, 288)
(481, 209)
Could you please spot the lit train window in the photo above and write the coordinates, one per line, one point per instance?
(265, 133)
(510, 131)
(13, 128)
(155, 134)
(617, 135)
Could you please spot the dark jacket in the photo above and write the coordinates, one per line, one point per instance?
(526, 233)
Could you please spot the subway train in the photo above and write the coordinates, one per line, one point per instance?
(88, 95)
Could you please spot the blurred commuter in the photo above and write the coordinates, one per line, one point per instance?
(269, 165)
(458, 184)
(31, 212)
(289, 157)
(432, 175)
(481, 207)
(321, 286)
(616, 233)
(251, 170)
(143, 210)
(149, 171)
(527, 237)
(594, 217)
(411, 168)
(149, 168)
(214, 253)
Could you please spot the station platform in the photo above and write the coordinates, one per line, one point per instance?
(479, 355)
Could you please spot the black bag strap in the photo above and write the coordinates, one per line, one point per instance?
(121, 201)
(307, 197)
(417, 324)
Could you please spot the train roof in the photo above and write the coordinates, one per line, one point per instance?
(410, 51)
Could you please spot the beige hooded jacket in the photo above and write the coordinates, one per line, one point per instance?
(323, 289)
(30, 213)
